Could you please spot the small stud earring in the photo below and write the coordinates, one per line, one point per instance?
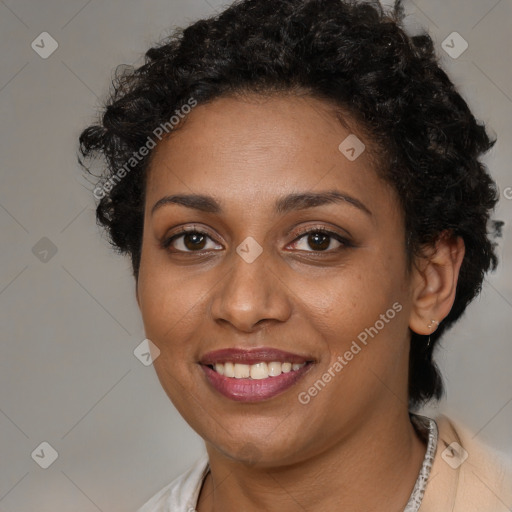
(430, 325)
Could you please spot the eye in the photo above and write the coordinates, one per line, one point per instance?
(188, 240)
(195, 240)
(320, 240)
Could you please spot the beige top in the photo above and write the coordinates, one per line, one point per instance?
(467, 475)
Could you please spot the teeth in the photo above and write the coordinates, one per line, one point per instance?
(242, 371)
(259, 371)
(274, 369)
(229, 369)
(286, 367)
(256, 371)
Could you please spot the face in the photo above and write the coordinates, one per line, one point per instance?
(294, 253)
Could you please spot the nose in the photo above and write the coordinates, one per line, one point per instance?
(251, 295)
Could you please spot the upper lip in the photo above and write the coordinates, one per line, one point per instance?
(252, 356)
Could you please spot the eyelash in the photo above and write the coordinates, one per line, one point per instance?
(303, 232)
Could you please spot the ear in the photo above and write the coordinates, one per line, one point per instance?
(435, 282)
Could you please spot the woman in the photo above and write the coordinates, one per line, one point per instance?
(298, 186)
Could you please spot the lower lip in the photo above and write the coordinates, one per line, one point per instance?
(253, 390)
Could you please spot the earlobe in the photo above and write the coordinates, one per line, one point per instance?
(435, 283)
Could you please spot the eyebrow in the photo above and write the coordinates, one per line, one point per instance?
(291, 202)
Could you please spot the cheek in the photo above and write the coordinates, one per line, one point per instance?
(170, 304)
(170, 307)
(360, 314)
(348, 301)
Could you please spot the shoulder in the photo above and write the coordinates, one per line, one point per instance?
(467, 475)
(181, 494)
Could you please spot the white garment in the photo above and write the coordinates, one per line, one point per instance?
(181, 494)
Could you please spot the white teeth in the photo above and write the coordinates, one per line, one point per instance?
(274, 369)
(259, 371)
(256, 371)
(242, 371)
(229, 369)
(286, 367)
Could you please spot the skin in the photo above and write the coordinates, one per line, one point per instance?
(352, 447)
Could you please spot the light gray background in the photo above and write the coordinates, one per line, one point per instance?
(69, 326)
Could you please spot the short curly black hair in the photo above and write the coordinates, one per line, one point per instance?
(355, 55)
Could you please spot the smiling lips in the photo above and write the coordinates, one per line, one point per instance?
(253, 375)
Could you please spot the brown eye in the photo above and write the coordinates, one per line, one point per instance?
(320, 240)
(193, 241)
(188, 241)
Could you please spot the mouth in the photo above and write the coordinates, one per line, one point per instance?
(253, 375)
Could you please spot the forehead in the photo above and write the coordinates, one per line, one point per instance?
(253, 148)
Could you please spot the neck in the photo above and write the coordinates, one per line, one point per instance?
(373, 469)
